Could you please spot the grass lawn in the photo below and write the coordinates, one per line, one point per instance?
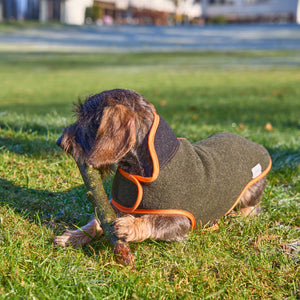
(42, 193)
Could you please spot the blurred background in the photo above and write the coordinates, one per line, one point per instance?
(169, 25)
(158, 12)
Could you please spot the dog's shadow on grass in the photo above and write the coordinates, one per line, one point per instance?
(55, 209)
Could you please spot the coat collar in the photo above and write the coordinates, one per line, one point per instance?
(162, 146)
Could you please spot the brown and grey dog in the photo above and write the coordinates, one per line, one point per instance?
(164, 186)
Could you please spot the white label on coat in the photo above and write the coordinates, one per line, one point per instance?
(256, 171)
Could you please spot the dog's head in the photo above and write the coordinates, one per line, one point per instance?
(108, 126)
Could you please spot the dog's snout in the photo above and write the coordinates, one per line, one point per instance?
(58, 142)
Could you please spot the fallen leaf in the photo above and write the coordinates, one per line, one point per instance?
(261, 238)
(268, 127)
(286, 248)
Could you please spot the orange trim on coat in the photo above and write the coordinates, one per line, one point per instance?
(256, 179)
(139, 195)
(168, 212)
(136, 179)
(153, 155)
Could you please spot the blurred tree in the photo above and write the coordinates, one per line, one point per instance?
(94, 13)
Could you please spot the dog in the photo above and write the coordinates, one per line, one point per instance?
(164, 186)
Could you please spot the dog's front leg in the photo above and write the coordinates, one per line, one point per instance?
(158, 227)
(80, 237)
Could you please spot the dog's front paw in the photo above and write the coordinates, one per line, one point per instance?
(131, 229)
(74, 238)
(80, 237)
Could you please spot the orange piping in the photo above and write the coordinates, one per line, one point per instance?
(136, 179)
(264, 173)
(138, 199)
(156, 212)
(168, 212)
(153, 155)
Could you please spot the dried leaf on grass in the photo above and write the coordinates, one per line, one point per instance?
(262, 238)
(268, 127)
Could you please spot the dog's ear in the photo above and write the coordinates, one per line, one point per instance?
(115, 137)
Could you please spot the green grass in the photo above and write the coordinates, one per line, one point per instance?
(41, 191)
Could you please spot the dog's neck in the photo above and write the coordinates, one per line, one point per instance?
(163, 143)
(138, 160)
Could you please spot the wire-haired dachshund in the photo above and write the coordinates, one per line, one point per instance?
(164, 186)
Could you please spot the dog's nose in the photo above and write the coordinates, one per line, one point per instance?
(58, 142)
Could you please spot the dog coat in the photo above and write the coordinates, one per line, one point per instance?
(202, 181)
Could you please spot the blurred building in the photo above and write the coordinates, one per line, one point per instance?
(159, 12)
(19, 9)
(251, 10)
(109, 11)
(120, 11)
(65, 11)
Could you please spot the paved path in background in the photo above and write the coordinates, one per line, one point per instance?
(150, 38)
